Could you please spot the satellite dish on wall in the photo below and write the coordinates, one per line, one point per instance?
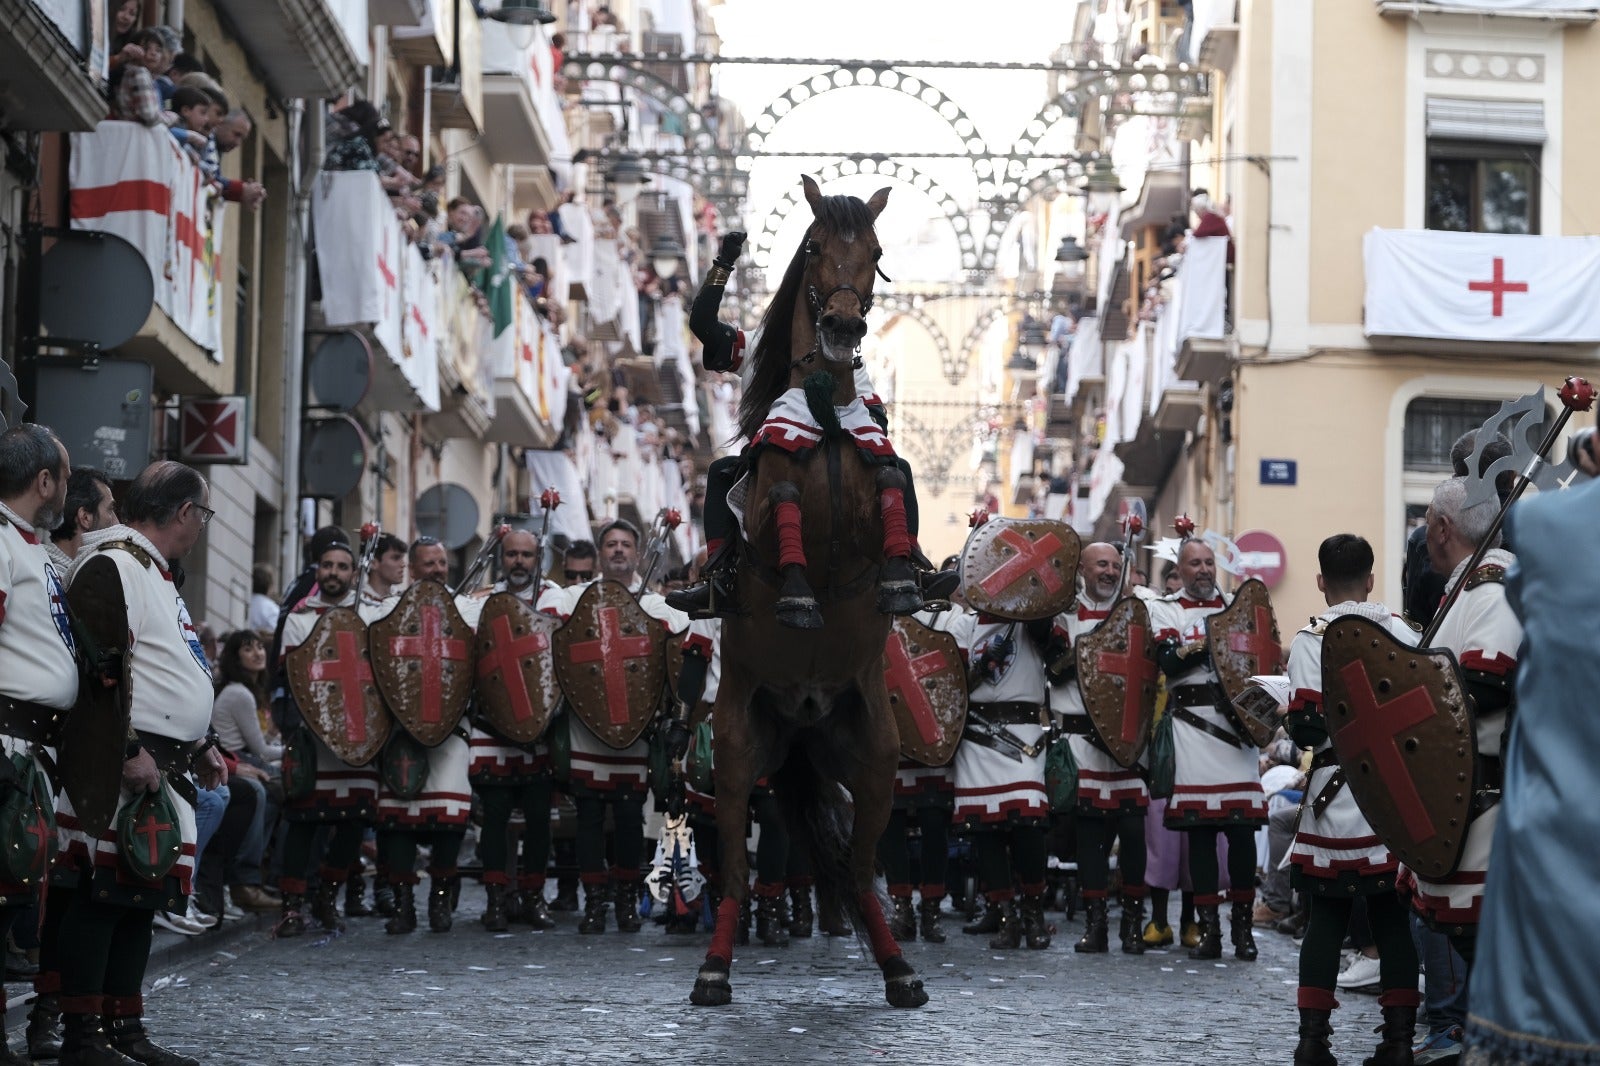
(448, 513)
(94, 287)
(333, 456)
(339, 372)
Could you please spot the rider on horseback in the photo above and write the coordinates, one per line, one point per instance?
(724, 349)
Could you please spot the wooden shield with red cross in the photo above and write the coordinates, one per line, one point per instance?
(422, 656)
(927, 685)
(1117, 675)
(611, 663)
(331, 679)
(1020, 570)
(517, 690)
(1243, 641)
(1398, 719)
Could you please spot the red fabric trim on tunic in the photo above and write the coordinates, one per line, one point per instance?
(1501, 665)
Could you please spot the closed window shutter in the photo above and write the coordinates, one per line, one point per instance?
(1509, 121)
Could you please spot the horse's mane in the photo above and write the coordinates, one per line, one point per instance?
(771, 358)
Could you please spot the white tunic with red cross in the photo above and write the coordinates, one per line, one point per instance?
(1104, 785)
(169, 683)
(596, 764)
(1339, 841)
(991, 787)
(493, 757)
(340, 787)
(1216, 783)
(1485, 635)
(914, 783)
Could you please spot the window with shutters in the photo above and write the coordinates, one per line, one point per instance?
(1483, 187)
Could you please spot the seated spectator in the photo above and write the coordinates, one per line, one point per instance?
(361, 135)
(241, 693)
(137, 98)
(193, 128)
(255, 778)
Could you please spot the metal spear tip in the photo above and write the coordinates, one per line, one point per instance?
(1577, 394)
(978, 517)
(1183, 525)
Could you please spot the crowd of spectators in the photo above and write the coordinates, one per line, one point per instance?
(155, 83)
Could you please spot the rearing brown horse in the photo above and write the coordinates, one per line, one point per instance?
(802, 696)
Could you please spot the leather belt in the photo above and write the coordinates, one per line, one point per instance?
(1193, 696)
(1183, 714)
(1010, 712)
(173, 758)
(1079, 725)
(33, 723)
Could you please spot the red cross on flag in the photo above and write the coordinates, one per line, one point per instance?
(1483, 286)
(214, 430)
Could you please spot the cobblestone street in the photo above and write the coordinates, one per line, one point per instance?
(557, 997)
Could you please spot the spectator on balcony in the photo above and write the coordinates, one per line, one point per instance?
(183, 65)
(465, 234)
(1210, 221)
(137, 98)
(193, 129)
(172, 43)
(228, 135)
(360, 133)
(124, 24)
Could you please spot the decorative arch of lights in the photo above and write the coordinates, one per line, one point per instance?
(933, 449)
(911, 307)
(862, 76)
(972, 257)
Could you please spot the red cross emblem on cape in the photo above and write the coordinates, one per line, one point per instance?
(927, 683)
(422, 659)
(1243, 641)
(517, 690)
(149, 836)
(1020, 570)
(611, 663)
(1117, 676)
(1398, 720)
(331, 679)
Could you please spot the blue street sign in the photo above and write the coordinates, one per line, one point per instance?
(1279, 471)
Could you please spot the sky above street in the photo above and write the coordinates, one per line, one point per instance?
(917, 237)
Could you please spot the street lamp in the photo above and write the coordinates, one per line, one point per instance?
(627, 177)
(1071, 251)
(522, 13)
(664, 257)
(1101, 186)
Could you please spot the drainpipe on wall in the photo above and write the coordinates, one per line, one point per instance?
(297, 233)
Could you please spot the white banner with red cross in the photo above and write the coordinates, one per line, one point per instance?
(1483, 286)
(135, 182)
(360, 256)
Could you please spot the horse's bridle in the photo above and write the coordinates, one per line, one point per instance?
(820, 300)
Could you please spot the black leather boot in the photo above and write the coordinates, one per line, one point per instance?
(128, 1036)
(771, 928)
(902, 918)
(802, 918)
(441, 904)
(1243, 934)
(1316, 1033)
(988, 921)
(1035, 929)
(594, 910)
(1394, 1043)
(44, 1027)
(495, 919)
(85, 1042)
(627, 906)
(714, 597)
(292, 918)
(1131, 931)
(405, 910)
(1009, 935)
(741, 935)
(11, 1058)
(1210, 946)
(355, 891)
(930, 920)
(1095, 934)
(382, 898)
(566, 894)
(534, 910)
(325, 906)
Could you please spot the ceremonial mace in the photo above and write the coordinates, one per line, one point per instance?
(1576, 395)
(667, 520)
(370, 532)
(1132, 529)
(485, 553)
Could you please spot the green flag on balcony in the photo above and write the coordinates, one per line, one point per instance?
(501, 286)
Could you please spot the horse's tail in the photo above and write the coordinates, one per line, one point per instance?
(819, 816)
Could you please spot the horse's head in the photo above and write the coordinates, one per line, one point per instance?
(841, 256)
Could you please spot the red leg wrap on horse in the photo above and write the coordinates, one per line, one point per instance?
(883, 943)
(722, 935)
(713, 545)
(896, 541)
(791, 548)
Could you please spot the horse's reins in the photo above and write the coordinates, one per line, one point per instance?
(819, 301)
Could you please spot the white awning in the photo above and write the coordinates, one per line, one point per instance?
(1509, 121)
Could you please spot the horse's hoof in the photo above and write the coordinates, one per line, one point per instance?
(905, 991)
(899, 597)
(713, 990)
(798, 613)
